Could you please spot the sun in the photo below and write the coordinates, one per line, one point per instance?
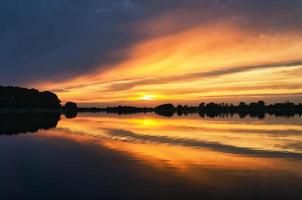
(147, 97)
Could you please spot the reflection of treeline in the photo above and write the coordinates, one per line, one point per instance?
(12, 124)
(255, 109)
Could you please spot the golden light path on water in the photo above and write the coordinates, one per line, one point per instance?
(187, 145)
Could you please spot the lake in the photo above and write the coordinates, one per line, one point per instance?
(145, 156)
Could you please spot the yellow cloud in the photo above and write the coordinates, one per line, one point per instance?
(213, 60)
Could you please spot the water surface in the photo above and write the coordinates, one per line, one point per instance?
(99, 156)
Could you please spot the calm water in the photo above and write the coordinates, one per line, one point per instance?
(98, 156)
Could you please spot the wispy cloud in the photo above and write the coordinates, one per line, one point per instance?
(198, 75)
(45, 41)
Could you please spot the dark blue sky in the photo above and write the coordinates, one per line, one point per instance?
(58, 39)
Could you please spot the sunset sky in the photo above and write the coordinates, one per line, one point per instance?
(143, 52)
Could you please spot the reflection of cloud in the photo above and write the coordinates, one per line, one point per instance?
(295, 145)
(130, 136)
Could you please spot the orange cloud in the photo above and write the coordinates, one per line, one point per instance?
(191, 64)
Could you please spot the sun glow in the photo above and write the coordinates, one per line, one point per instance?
(147, 97)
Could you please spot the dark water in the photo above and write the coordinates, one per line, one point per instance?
(96, 156)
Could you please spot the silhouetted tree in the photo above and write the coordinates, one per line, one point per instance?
(16, 97)
(180, 110)
(70, 106)
(201, 106)
(242, 105)
(165, 110)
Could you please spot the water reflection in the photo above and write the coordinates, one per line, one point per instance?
(267, 138)
(13, 124)
(182, 158)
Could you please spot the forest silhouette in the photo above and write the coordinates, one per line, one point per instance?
(17, 98)
(254, 109)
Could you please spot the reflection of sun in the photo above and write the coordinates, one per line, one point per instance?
(149, 122)
(147, 97)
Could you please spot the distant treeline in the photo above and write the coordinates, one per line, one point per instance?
(118, 109)
(254, 109)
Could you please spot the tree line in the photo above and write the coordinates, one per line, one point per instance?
(23, 98)
(16, 97)
(253, 109)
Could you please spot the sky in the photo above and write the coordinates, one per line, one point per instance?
(142, 52)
